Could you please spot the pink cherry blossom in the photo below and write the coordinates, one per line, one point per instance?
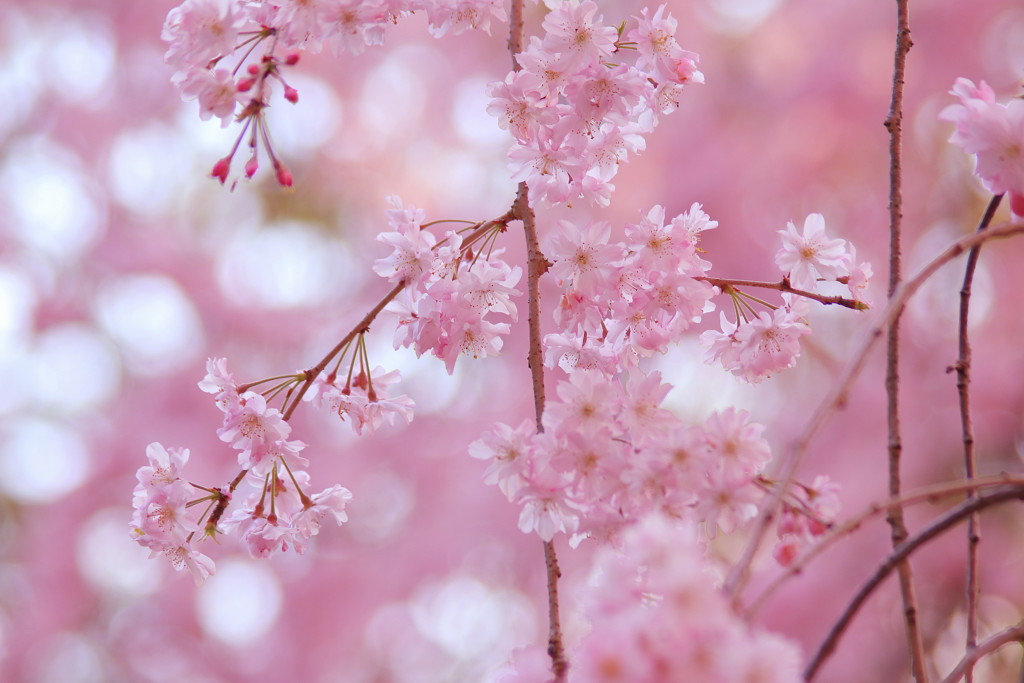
(807, 257)
(993, 132)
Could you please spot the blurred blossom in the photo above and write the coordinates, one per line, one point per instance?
(152, 321)
(240, 603)
(22, 47)
(471, 120)
(80, 61)
(66, 657)
(73, 367)
(284, 266)
(473, 621)
(50, 202)
(300, 129)
(382, 506)
(147, 172)
(738, 16)
(394, 94)
(17, 304)
(41, 460)
(110, 561)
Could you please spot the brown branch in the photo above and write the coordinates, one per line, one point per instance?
(784, 469)
(898, 555)
(927, 494)
(783, 286)
(1011, 634)
(894, 124)
(963, 386)
(536, 266)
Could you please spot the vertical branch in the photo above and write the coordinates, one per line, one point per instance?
(536, 265)
(894, 124)
(963, 385)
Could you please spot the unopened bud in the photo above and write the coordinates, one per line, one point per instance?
(220, 170)
(252, 69)
(284, 176)
(292, 59)
(291, 94)
(251, 166)
(245, 84)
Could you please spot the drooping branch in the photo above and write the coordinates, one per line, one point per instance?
(898, 555)
(785, 468)
(963, 385)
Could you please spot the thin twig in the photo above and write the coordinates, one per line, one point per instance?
(1011, 634)
(784, 469)
(784, 286)
(963, 386)
(898, 555)
(894, 124)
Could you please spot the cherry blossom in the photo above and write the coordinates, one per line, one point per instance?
(807, 257)
(993, 132)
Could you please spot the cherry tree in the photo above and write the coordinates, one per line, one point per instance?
(636, 410)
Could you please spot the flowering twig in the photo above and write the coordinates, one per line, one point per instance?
(894, 124)
(898, 555)
(785, 468)
(963, 385)
(1011, 634)
(364, 325)
(784, 286)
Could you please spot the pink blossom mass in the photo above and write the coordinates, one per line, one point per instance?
(480, 341)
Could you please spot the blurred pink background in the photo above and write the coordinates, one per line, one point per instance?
(123, 267)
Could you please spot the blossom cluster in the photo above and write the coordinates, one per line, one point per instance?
(806, 516)
(265, 36)
(451, 291)
(622, 301)
(160, 519)
(762, 343)
(657, 615)
(994, 133)
(275, 515)
(363, 400)
(577, 109)
(609, 454)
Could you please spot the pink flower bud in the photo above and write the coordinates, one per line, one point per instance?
(292, 59)
(284, 176)
(291, 94)
(251, 166)
(253, 69)
(245, 84)
(220, 170)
